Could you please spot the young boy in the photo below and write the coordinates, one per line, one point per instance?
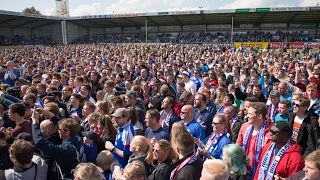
(90, 141)
(283, 108)
(104, 160)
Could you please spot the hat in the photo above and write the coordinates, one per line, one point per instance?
(284, 127)
(91, 135)
(120, 112)
(186, 73)
(25, 136)
(275, 93)
(131, 94)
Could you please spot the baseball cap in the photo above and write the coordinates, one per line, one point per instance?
(131, 94)
(275, 93)
(25, 136)
(120, 112)
(91, 135)
(283, 126)
(186, 73)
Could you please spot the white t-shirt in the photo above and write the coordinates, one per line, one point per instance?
(190, 86)
(312, 102)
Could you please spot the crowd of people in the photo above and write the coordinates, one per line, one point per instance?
(200, 37)
(22, 40)
(159, 112)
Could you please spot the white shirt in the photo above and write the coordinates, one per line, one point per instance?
(190, 86)
(312, 102)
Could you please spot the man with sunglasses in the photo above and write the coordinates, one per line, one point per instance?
(305, 125)
(281, 156)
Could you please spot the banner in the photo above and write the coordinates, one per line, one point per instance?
(293, 45)
(219, 11)
(310, 25)
(219, 26)
(169, 27)
(274, 25)
(194, 27)
(62, 8)
(251, 44)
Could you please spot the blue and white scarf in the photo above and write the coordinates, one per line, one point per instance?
(214, 140)
(258, 145)
(266, 173)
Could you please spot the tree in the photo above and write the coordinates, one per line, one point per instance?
(31, 10)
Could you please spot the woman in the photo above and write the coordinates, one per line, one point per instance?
(177, 128)
(100, 95)
(137, 126)
(164, 154)
(235, 157)
(139, 147)
(219, 97)
(218, 139)
(311, 171)
(103, 108)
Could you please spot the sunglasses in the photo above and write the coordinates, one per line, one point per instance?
(275, 132)
(183, 112)
(296, 105)
(214, 123)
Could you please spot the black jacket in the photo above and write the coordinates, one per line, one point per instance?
(64, 154)
(190, 171)
(308, 133)
(235, 130)
(242, 96)
(162, 171)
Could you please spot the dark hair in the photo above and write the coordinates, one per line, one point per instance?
(154, 114)
(18, 108)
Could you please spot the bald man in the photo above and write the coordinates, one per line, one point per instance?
(194, 128)
(50, 133)
(11, 74)
(214, 169)
(231, 115)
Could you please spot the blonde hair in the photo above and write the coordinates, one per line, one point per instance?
(135, 169)
(177, 128)
(215, 169)
(141, 142)
(104, 159)
(219, 98)
(166, 146)
(88, 171)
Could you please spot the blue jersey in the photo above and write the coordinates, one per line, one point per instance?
(196, 130)
(123, 140)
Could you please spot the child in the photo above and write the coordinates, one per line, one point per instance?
(283, 108)
(90, 141)
(104, 160)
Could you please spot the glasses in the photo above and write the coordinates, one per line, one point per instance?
(291, 76)
(183, 112)
(296, 105)
(275, 132)
(214, 123)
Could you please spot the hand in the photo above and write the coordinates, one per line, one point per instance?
(46, 113)
(197, 142)
(203, 152)
(109, 146)
(77, 118)
(5, 132)
(35, 116)
(277, 177)
(153, 141)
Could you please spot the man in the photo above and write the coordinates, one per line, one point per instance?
(11, 74)
(228, 100)
(305, 125)
(194, 128)
(74, 108)
(77, 82)
(69, 153)
(196, 78)
(283, 89)
(256, 92)
(189, 164)
(273, 107)
(85, 91)
(109, 89)
(235, 123)
(189, 84)
(246, 105)
(132, 101)
(154, 130)
(284, 109)
(167, 116)
(314, 101)
(16, 114)
(281, 156)
(88, 109)
(254, 134)
(214, 169)
(66, 94)
(121, 148)
(50, 133)
(203, 116)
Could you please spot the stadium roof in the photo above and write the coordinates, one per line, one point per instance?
(199, 17)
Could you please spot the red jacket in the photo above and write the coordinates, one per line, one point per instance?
(290, 163)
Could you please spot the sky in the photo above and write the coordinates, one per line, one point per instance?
(99, 7)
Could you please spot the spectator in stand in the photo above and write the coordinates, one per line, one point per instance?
(132, 101)
(11, 74)
(234, 122)
(16, 114)
(154, 130)
(281, 156)
(167, 116)
(214, 169)
(104, 160)
(88, 171)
